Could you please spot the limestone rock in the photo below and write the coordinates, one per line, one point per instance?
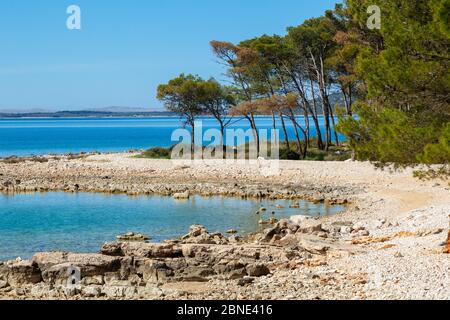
(245, 281)
(196, 274)
(269, 234)
(346, 230)
(40, 291)
(182, 195)
(21, 272)
(71, 291)
(282, 228)
(55, 266)
(131, 236)
(119, 292)
(3, 284)
(257, 270)
(91, 291)
(369, 224)
(95, 280)
(157, 272)
(141, 250)
(196, 230)
(234, 239)
(310, 226)
(288, 240)
(199, 235)
(360, 233)
(299, 219)
(314, 244)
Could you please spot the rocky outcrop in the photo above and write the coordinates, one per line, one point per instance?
(310, 226)
(141, 250)
(199, 235)
(131, 236)
(17, 273)
(181, 195)
(54, 267)
(125, 269)
(257, 270)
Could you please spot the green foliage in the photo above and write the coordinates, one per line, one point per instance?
(405, 117)
(399, 74)
(286, 154)
(334, 153)
(441, 9)
(412, 67)
(181, 95)
(215, 100)
(314, 154)
(388, 135)
(157, 153)
(438, 152)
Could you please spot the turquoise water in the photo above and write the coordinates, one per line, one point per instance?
(82, 222)
(25, 137)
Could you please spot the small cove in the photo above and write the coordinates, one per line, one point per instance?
(82, 222)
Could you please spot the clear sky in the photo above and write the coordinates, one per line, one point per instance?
(125, 47)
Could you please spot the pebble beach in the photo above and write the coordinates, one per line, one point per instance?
(388, 244)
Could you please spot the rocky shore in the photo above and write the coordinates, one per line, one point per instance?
(123, 174)
(390, 244)
(138, 270)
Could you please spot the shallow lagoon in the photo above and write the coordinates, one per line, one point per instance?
(82, 222)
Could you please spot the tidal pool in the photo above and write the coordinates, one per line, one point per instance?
(82, 222)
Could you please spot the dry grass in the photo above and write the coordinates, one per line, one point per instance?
(16, 160)
(447, 249)
(370, 240)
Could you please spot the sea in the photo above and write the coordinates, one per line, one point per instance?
(80, 222)
(28, 137)
(83, 222)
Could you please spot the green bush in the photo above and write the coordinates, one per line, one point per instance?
(334, 154)
(157, 153)
(392, 136)
(289, 155)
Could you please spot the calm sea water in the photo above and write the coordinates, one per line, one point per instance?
(25, 137)
(31, 223)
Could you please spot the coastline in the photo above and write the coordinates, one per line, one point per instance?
(123, 173)
(387, 245)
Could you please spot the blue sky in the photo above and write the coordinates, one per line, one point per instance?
(125, 47)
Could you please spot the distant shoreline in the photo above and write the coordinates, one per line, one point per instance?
(85, 114)
(93, 118)
(150, 115)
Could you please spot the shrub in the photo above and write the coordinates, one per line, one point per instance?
(157, 153)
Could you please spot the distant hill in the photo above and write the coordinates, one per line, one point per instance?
(336, 99)
(87, 114)
(123, 110)
(120, 112)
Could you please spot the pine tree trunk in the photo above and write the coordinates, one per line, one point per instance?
(336, 137)
(255, 133)
(320, 145)
(193, 142)
(286, 136)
